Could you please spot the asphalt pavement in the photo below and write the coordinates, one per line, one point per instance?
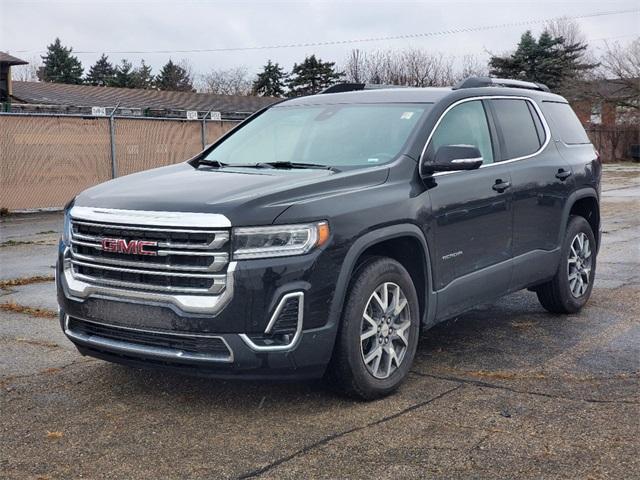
(504, 391)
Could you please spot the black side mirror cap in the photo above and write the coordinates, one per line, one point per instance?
(451, 158)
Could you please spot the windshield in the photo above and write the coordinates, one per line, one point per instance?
(330, 135)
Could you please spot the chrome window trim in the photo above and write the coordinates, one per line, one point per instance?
(547, 130)
(150, 217)
(135, 348)
(274, 317)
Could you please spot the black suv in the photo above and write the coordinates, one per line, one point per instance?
(323, 233)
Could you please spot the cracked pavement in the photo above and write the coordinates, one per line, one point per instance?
(504, 391)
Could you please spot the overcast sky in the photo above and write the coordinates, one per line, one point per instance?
(28, 26)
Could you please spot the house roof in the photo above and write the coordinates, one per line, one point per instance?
(90, 96)
(10, 59)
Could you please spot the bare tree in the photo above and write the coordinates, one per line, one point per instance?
(471, 66)
(423, 69)
(234, 81)
(27, 73)
(355, 66)
(620, 65)
(566, 28)
(413, 67)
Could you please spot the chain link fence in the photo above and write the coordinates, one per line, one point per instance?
(45, 160)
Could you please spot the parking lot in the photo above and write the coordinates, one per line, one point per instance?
(504, 391)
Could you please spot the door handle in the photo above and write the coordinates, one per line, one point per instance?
(501, 186)
(563, 174)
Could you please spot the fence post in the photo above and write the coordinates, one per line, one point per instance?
(112, 136)
(203, 131)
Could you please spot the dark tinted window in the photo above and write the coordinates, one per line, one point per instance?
(566, 122)
(465, 124)
(538, 123)
(519, 131)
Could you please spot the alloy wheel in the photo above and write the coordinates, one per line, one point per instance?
(384, 336)
(580, 263)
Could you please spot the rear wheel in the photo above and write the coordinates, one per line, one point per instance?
(379, 330)
(570, 288)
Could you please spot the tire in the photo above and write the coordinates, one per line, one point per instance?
(560, 294)
(348, 368)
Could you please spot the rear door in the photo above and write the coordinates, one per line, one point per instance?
(541, 181)
(472, 215)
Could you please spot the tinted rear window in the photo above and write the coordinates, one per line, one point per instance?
(566, 123)
(519, 131)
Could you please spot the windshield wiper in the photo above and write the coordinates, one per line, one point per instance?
(283, 165)
(212, 163)
(295, 165)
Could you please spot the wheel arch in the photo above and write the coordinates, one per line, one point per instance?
(585, 203)
(394, 242)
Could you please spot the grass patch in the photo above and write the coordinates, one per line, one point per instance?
(33, 312)
(37, 343)
(17, 282)
(16, 243)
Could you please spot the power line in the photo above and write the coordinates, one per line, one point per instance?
(361, 40)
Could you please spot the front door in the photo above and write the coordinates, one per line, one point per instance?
(472, 216)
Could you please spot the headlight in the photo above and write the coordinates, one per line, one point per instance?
(279, 240)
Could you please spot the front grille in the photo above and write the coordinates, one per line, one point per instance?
(212, 346)
(176, 260)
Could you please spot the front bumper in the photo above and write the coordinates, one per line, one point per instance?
(258, 294)
(308, 359)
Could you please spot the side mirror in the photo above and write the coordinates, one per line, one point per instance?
(451, 158)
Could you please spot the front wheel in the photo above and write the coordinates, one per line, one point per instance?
(379, 330)
(570, 288)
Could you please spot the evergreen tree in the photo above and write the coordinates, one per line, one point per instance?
(549, 60)
(60, 66)
(124, 76)
(101, 73)
(142, 77)
(270, 83)
(312, 76)
(174, 77)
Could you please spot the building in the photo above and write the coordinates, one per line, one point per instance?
(43, 97)
(6, 62)
(608, 103)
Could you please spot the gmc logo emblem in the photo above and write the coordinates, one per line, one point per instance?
(132, 247)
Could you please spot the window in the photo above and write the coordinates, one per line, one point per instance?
(465, 124)
(566, 122)
(596, 114)
(332, 135)
(519, 133)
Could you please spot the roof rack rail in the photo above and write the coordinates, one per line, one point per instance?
(352, 87)
(475, 82)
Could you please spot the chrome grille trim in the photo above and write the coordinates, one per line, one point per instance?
(150, 218)
(79, 289)
(183, 261)
(220, 237)
(149, 272)
(220, 260)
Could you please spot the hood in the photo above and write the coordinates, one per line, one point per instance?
(245, 196)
